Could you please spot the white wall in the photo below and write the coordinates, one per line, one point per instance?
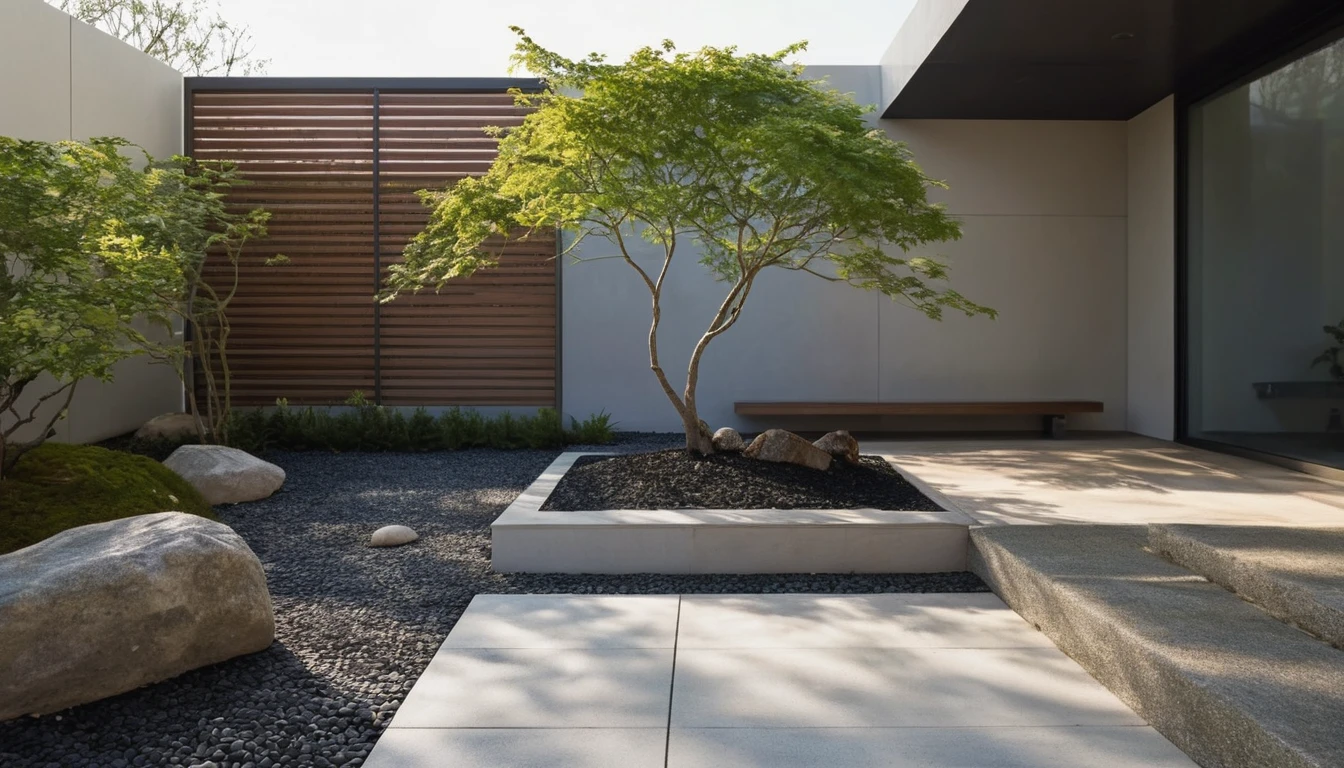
(1152, 271)
(62, 79)
(1043, 206)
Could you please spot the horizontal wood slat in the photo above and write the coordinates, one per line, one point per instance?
(307, 331)
(934, 408)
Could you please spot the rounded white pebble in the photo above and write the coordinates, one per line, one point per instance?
(392, 536)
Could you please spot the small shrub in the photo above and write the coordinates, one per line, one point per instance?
(594, 430)
(55, 487)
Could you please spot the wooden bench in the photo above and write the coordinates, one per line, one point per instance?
(1054, 412)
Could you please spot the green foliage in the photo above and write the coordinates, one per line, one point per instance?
(594, 430)
(759, 166)
(738, 155)
(76, 273)
(92, 243)
(367, 427)
(56, 487)
(1330, 357)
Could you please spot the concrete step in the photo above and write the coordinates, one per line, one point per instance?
(1226, 682)
(525, 539)
(1296, 574)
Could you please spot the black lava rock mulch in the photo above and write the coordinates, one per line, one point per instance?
(674, 479)
(356, 626)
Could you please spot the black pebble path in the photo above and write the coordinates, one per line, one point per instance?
(356, 626)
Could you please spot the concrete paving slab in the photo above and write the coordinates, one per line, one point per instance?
(1122, 480)
(1296, 574)
(1108, 747)
(875, 688)
(567, 621)
(1223, 680)
(520, 748)
(853, 621)
(603, 705)
(540, 688)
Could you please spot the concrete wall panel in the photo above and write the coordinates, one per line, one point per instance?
(1152, 271)
(118, 91)
(34, 71)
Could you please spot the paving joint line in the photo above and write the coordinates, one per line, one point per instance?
(672, 686)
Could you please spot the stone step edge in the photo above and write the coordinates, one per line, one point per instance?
(1208, 727)
(1284, 599)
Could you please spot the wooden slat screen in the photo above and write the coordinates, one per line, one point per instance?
(309, 331)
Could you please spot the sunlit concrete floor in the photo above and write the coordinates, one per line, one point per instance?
(758, 680)
(1111, 480)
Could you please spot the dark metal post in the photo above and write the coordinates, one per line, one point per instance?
(377, 261)
(559, 323)
(188, 363)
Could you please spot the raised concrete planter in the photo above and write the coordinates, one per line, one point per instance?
(677, 541)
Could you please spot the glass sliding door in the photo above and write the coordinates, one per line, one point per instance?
(1265, 263)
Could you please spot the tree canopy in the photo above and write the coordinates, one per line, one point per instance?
(733, 159)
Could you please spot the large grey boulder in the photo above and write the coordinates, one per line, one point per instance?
(225, 475)
(102, 609)
(168, 426)
(783, 446)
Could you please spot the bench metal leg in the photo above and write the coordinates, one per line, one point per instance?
(1056, 426)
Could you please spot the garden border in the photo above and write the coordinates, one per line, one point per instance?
(527, 539)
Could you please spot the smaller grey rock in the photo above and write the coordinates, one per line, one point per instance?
(168, 426)
(225, 475)
(392, 536)
(727, 439)
(841, 445)
(782, 446)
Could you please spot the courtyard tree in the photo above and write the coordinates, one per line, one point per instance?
(190, 252)
(731, 160)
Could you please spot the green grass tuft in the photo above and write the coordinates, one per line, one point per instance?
(55, 487)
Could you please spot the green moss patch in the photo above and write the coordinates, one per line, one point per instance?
(55, 487)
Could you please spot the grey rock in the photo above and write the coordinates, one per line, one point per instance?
(841, 445)
(168, 426)
(102, 609)
(782, 446)
(225, 475)
(728, 440)
(392, 536)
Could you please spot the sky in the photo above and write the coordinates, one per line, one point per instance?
(470, 38)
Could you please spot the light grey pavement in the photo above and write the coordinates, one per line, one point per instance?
(775, 681)
(1122, 479)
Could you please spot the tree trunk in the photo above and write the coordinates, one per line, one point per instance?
(698, 439)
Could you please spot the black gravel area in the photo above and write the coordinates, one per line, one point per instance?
(356, 626)
(674, 479)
